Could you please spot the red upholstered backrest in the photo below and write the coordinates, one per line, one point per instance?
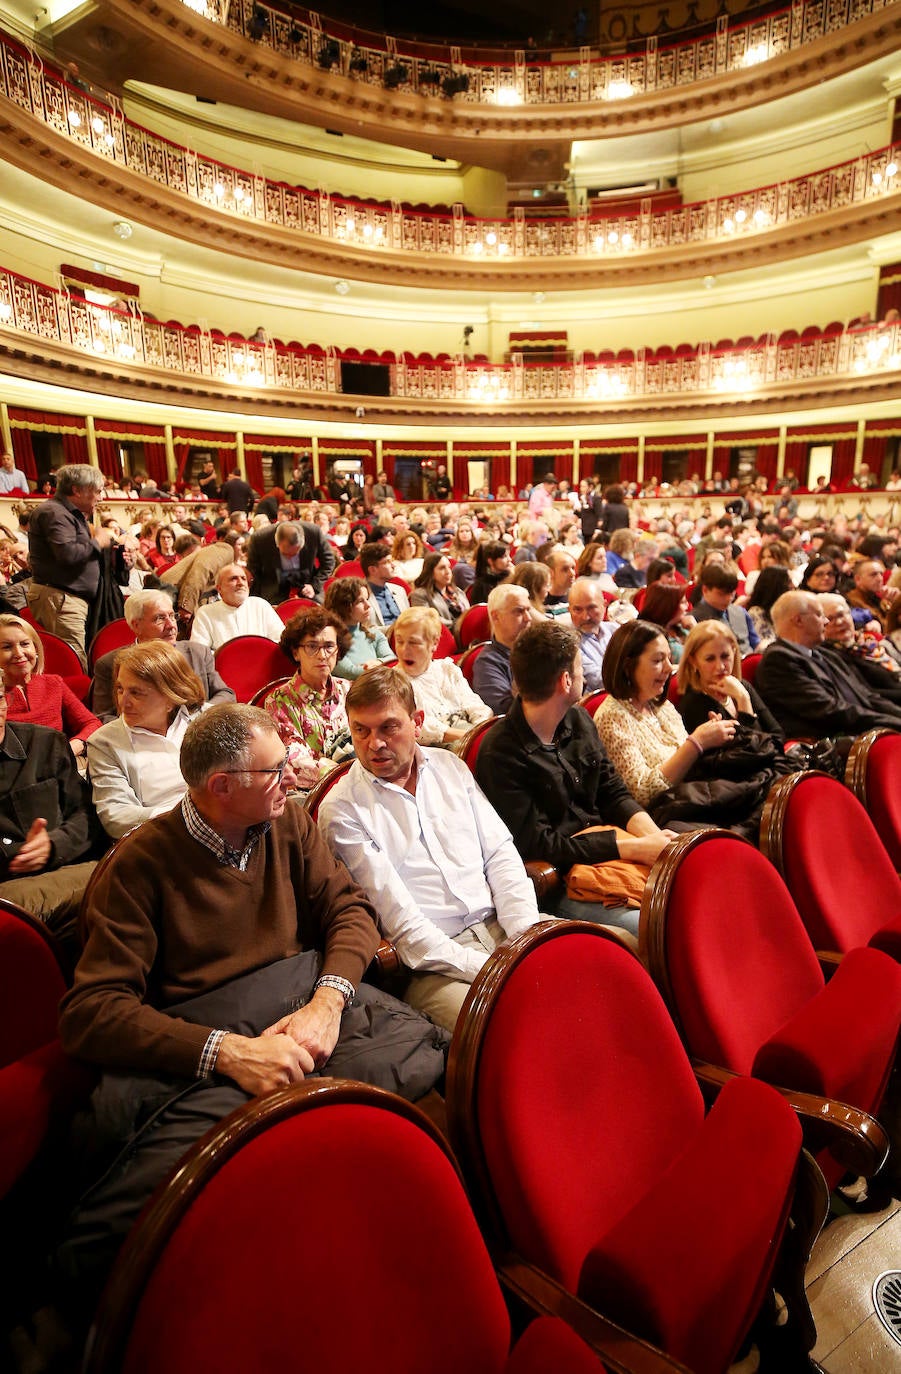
(473, 742)
(116, 635)
(59, 657)
(884, 792)
(839, 874)
(31, 985)
(287, 610)
(339, 1239)
(583, 1092)
(248, 662)
(739, 960)
(466, 661)
(474, 626)
(446, 646)
(749, 666)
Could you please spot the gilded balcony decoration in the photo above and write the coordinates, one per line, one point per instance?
(172, 353)
(246, 209)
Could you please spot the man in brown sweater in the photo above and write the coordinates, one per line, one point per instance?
(223, 948)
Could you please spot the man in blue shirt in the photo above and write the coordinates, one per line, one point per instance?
(386, 602)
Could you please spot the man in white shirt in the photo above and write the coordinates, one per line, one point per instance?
(11, 477)
(236, 613)
(416, 833)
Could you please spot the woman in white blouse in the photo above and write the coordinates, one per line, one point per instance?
(641, 731)
(133, 761)
(441, 691)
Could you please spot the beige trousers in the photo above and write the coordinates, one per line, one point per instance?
(441, 997)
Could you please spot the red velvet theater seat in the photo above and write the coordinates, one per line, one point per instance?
(323, 1227)
(583, 1136)
(724, 942)
(835, 866)
(874, 776)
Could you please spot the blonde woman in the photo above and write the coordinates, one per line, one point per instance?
(133, 761)
(441, 691)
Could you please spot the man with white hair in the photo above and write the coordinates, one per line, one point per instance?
(235, 613)
(151, 616)
(586, 611)
(509, 614)
(811, 692)
(863, 654)
(65, 551)
(533, 533)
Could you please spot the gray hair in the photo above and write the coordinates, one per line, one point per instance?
(500, 595)
(289, 532)
(138, 603)
(220, 738)
(77, 475)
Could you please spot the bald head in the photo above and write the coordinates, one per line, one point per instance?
(586, 604)
(798, 618)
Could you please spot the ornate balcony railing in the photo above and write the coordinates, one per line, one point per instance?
(171, 352)
(518, 78)
(102, 129)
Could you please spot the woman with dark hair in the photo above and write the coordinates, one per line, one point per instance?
(359, 535)
(491, 569)
(434, 587)
(771, 582)
(308, 710)
(163, 557)
(348, 598)
(592, 562)
(819, 576)
(640, 729)
(667, 606)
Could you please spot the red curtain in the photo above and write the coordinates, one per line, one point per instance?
(653, 464)
(75, 448)
(628, 467)
(253, 466)
(877, 435)
(108, 458)
(500, 472)
(843, 459)
(889, 297)
(24, 453)
(155, 462)
(224, 443)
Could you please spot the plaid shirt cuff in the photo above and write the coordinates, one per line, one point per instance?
(210, 1053)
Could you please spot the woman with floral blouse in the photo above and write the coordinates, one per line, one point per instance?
(308, 710)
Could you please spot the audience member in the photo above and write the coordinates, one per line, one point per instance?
(536, 579)
(235, 613)
(65, 555)
(492, 567)
(293, 556)
(869, 592)
(633, 573)
(407, 555)
(414, 830)
(35, 697)
(150, 617)
(449, 704)
(237, 494)
(348, 598)
(250, 1001)
(813, 693)
(667, 606)
(195, 574)
(710, 682)
(533, 533)
(434, 587)
(133, 761)
(545, 771)
(509, 613)
(869, 654)
(12, 479)
(586, 611)
(387, 597)
(308, 710)
(773, 581)
(45, 825)
(717, 602)
(562, 567)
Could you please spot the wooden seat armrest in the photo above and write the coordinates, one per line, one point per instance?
(386, 959)
(529, 1288)
(829, 960)
(544, 876)
(855, 1138)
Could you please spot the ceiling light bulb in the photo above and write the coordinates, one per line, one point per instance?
(342, 287)
(122, 229)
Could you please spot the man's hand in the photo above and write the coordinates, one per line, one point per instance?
(314, 1027)
(309, 591)
(643, 849)
(103, 537)
(262, 1064)
(36, 850)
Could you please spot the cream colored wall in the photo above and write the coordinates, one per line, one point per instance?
(485, 192)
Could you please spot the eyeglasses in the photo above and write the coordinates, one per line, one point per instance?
(276, 773)
(319, 649)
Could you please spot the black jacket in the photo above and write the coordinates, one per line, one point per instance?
(546, 796)
(38, 777)
(317, 562)
(816, 695)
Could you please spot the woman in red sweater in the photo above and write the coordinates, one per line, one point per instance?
(35, 696)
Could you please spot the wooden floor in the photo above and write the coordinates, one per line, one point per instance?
(850, 1254)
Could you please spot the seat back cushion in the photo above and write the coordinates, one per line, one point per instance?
(739, 960)
(583, 1092)
(338, 1239)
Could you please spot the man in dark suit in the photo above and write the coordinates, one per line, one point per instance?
(238, 494)
(150, 616)
(293, 554)
(812, 692)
